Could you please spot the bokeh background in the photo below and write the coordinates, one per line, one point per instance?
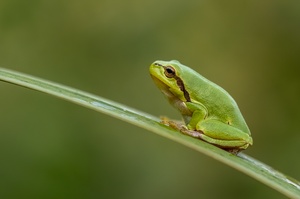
(50, 148)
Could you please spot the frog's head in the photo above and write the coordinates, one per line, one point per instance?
(167, 75)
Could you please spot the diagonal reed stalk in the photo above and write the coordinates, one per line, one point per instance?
(242, 162)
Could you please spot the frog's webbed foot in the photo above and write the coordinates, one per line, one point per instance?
(173, 124)
(192, 133)
(180, 126)
(233, 151)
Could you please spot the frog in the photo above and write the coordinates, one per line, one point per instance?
(209, 112)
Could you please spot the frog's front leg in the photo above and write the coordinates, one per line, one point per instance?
(199, 113)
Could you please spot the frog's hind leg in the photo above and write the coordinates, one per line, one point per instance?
(224, 135)
(225, 145)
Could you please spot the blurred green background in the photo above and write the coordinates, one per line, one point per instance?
(50, 148)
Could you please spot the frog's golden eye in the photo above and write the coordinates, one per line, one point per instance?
(170, 72)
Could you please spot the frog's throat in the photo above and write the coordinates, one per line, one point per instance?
(167, 90)
(173, 99)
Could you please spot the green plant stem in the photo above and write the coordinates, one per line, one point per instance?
(242, 162)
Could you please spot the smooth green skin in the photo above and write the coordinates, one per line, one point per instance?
(209, 112)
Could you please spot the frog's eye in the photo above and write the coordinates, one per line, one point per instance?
(170, 72)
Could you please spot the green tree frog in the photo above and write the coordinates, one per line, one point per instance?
(209, 112)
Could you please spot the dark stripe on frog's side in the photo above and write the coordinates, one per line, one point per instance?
(180, 84)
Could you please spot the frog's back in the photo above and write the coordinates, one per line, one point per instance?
(219, 103)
